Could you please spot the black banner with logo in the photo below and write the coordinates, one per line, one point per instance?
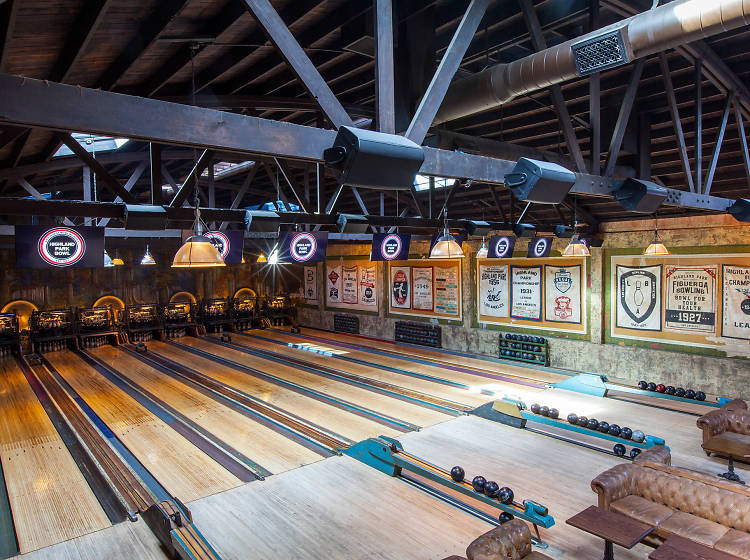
(302, 247)
(390, 247)
(501, 247)
(229, 244)
(539, 247)
(59, 247)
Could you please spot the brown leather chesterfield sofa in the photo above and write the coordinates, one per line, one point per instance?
(676, 501)
(509, 541)
(731, 422)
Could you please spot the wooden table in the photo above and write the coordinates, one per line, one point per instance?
(610, 526)
(731, 448)
(679, 548)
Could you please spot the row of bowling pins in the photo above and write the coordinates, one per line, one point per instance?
(94, 341)
(6, 351)
(216, 328)
(244, 325)
(277, 321)
(142, 336)
(52, 345)
(176, 333)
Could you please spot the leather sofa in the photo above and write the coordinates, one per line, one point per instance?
(691, 504)
(730, 422)
(509, 541)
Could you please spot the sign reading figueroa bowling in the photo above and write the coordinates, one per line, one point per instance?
(691, 298)
(59, 247)
(736, 302)
(303, 247)
(390, 247)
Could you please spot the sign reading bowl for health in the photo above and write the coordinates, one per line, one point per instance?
(501, 247)
(302, 247)
(390, 247)
(59, 247)
(229, 244)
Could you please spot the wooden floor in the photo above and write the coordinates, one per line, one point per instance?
(184, 470)
(50, 500)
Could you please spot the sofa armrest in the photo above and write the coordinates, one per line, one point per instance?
(613, 484)
(511, 540)
(735, 404)
(656, 454)
(714, 423)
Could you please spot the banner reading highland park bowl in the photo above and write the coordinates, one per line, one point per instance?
(526, 292)
(446, 290)
(690, 294)
(311, 283)
(302, 247)
(562, 294)
(333, 283)
(401, 287)
(736, 302)
(390, 247)
(349, 284)
(638, 297)
(494, 290)
(367, 286)
(422, 282)
(59, 247)
(229, 244)
(501, 247)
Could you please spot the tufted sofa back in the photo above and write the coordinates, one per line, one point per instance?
(739, 422)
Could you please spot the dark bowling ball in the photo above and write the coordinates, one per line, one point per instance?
(478, 483)
(505, 495)
(634, 452)
(614, 430)
(642, 385)
(593, 424)
(700, 396)
(535, 408)
(572, 418)
(554, 413)
(669, 390)
(504, 517)
(661, 388)
(619, 449)
(491, 489)
(651, 386)
(457, 474)
(689, 394)
(507, 336)
(626, 433)
(604, 427)
(679, 392)
(583, 421)
(544, 411)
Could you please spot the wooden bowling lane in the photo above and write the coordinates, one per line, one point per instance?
(341, 422)
(469, 398)
(263, 445)
(371, 400)
(49, 497)
(477, 363)
(336, 508)
(184, 470)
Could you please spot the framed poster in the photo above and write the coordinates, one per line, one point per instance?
(401, 287)
(735, 302)
(422, 282)
(494, 290)
(690, 294)
(446, 291)
(333, 283)
(562, 294)
(526, 292)
(638, 297)
(349, 288)
(367, 286)
(311, 283)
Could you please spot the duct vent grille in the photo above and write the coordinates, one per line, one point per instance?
(600, 53)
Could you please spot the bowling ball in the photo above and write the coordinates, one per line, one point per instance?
(660, 388)
(669, 390)
(504, 517)
(554, 413)
(535, 408)
(651, 386)
(507, 336)
(689, 394)
(700, 396)
(491, 489)
(593, 424)
(478, 483)
(583, 421)
(505, 495)
(614, 430)
(642, 385)
(572, 419)
(457, 474)
(679, 392)
(619, 449)
(634, 452)
(544, 411)
(626, 433)
(638, 436)
(604, 427)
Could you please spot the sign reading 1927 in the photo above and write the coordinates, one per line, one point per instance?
(691, 298)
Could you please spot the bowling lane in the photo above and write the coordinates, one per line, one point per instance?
(478, 364)
(50, 500)
(184, 470)
(261, 444)
(470, 398)
(339, 421)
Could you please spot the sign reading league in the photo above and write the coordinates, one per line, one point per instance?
(501, 247)
(390, 247)
(59, 247)
(229, 244)
(302, 247)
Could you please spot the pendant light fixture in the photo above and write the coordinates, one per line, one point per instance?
(108, 260)
(656, 247)
(576, 247)
(445, 246)
(117, 261)
(262, 258)
(482, 253)
(148, 259)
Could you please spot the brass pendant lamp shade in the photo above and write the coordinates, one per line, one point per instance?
(446, 247)
(197, 252)
(576, 248)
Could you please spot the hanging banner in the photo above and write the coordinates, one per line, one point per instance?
(349, 284)
(526, 292)
(446, 290)
(367, 283)
(390, 247)
(333, 283)
(690, 294)
(401, 287)
(59, 247)
(539, 247)
(639, 297)
(736, 302)
(494, 290)
(311, 283)
(501, 247)
(229, 244)
(302, 247)
(562, 294)
(422, 281)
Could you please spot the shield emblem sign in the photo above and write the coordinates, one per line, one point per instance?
(638, 294)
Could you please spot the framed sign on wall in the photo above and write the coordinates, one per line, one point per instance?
(425, 288)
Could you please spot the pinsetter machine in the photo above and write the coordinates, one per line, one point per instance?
(179, 317)
(216, 315)
(9, 334)
(96, 326)
(245, 310)
(53, 329)
(142, 322)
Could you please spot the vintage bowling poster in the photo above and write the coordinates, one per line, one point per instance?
(562, 293)
(690, 294)
(311, 283)
(333, 283)
(736, 302)
(639, 297)
(349, 279)
(367, 286)
(494, 291)
(401, 287)
(422, 281)
(446, 290)
(526, 292)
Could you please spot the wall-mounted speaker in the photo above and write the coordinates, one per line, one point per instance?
(637, 195)
(740, 210)
(564, 232)
(477, 227)
(262, 220)
(524, 230)
(540, 181)
(352, 223)
(138, 216)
